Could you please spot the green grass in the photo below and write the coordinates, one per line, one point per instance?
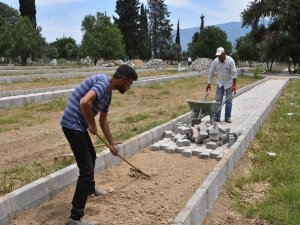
(136, 118)
(280, 134)
(15, 117)
(21, 175)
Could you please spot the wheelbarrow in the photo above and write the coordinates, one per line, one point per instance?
(202, 108)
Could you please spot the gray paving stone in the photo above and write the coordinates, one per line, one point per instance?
(155, 147)
(183, 142)
(6, 213)
(145, 139)
(179, 149)
(205, 154)
(211, 185)
(130, 146)
(168, 134)
(197, 151)
(30, 195)
(187, 152)
(211, 145)
(184, 130)
(63, 178)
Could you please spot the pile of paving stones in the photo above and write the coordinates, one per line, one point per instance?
(203, 140)
(201, 65)
(157, 64)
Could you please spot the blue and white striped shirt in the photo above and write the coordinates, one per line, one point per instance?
(73, 117)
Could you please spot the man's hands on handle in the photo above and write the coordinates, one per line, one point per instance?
(208, 87)
(114, 150)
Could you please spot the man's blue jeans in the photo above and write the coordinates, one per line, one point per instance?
(85, 155)
(219, 97)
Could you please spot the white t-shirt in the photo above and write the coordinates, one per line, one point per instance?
(226, 72)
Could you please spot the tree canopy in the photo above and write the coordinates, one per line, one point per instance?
(101, 38)
(128, 11)
(207, 41)
(160, 28)
(63, 46)
(283, 27)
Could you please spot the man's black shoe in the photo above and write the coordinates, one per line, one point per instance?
(217, 120)
(228, 120)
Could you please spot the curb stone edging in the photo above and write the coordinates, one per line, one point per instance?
(194, 212)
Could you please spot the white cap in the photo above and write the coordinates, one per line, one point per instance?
(220, 50)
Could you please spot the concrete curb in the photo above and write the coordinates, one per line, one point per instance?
(20, 98)
(50, 75)
(194, 212)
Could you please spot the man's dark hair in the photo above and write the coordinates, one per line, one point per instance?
(125, 71)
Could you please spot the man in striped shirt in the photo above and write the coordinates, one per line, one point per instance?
(89, 98)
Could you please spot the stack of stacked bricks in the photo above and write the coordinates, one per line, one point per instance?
(203, 140)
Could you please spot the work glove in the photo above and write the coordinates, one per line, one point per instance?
(208, 87)
(233, 88)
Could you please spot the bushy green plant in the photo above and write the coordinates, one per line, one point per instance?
(256, 72)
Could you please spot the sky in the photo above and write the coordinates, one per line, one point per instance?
(60, 18)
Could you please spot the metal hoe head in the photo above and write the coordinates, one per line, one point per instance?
(139, 172)
(133, 168)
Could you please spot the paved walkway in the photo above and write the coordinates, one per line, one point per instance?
(250, 106)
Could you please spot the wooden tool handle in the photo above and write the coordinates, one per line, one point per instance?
(110, 147)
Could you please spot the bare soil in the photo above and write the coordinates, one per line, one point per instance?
(132, 200)
(223, 212)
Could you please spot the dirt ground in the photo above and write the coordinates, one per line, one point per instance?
(222, 212)
(132, 200)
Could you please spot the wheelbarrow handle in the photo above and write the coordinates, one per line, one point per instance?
(230, 96)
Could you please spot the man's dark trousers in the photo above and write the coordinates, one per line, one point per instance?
(85, 155)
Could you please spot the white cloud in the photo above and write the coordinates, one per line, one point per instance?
(179, 3)
(45, 3)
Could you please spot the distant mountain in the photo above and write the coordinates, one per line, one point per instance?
(232, 29)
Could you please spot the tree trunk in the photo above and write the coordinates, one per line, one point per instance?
(24, 60)
(289, 68)
(267, 66)
(271, 66)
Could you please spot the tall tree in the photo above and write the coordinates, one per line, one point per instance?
(202, 22)
(176, 47)
(27, 8)
(160, 29)
(177, 39)
(128, 11)
(101, 38)
(143, 49)
(27, 40)
(247, 48)
(8, 18)
(209, 39)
